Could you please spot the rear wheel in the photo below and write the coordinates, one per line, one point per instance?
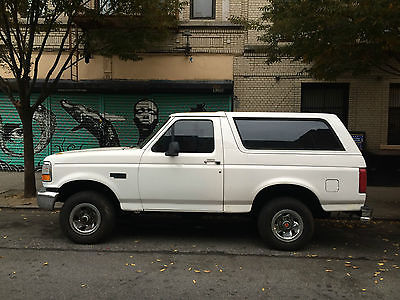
(87, 217)
(286, 224)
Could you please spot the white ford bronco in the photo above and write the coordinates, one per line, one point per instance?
(285, 168)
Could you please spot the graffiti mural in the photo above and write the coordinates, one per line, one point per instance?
(77, 121)
(11, 137)
(145, 114)
(13, 133)
(199, 108)
(91, 120)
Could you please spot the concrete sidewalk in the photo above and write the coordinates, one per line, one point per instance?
(385, 201)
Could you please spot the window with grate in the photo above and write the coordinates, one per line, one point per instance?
(394, 115)
(330, 98)
(202, 9)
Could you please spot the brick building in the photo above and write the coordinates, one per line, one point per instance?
(209, 64)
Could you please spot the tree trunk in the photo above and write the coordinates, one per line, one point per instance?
(29, 162)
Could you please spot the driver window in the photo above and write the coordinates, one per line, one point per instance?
(193, 136)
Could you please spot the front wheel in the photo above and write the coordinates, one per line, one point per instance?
(87, 217)
(286, 224)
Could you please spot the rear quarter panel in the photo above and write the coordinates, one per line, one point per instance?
(247, 172)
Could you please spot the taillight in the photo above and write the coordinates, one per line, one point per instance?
(362, 181)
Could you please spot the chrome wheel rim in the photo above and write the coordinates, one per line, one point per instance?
(85, 218)
(287, 225)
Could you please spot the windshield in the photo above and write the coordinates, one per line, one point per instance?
(145, 141)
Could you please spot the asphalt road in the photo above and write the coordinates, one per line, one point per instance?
(190, 256)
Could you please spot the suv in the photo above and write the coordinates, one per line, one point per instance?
(285, 168)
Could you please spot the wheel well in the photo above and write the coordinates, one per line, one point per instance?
(86, 185)
(303, 194)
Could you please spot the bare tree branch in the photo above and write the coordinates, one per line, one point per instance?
(6, 88)
(17, 34)
(393, 68)
(42, 47)
(8, 39)
(387, 71)
(34, 18)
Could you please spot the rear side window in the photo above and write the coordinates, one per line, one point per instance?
(287, 134)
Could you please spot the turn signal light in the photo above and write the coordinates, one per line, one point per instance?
(362, 181)
(46, 171)
(46, 177)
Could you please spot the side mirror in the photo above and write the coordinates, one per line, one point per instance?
(173, 149)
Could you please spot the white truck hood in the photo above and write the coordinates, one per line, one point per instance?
(114, 155)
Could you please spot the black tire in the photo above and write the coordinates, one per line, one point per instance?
(294, 224)
(93, 207)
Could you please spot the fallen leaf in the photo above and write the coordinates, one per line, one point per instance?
(190, 269)
(207, 271)
(126, 264)
(45, 263)
(158, 259)
(376, 281)
(263, 289)
(355, 267)
(194, 281)
(220, 270)
(381, 264)
(348, 274)
(381, 279)
(314, 255)
(163, 269)
(328, 270)
(347, 265)
(196, 271)
(83, 285)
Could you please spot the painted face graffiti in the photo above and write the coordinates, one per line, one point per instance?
(11, 133)
(145, 117)
(91, 120)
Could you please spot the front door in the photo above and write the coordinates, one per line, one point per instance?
(190, 181)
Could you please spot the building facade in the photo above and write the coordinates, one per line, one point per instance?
(208, 65)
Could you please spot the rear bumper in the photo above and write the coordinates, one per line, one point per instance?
(366, 214)
(46, 199)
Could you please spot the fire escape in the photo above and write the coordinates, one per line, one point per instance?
(74, 65)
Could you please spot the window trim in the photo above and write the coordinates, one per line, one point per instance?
(190, 120)
(342, 148)
(192, 17)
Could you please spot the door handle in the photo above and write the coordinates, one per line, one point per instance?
(212, 160)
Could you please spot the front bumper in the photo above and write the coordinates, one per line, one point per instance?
(46, 199)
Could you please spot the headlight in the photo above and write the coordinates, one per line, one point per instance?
(46, 171)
